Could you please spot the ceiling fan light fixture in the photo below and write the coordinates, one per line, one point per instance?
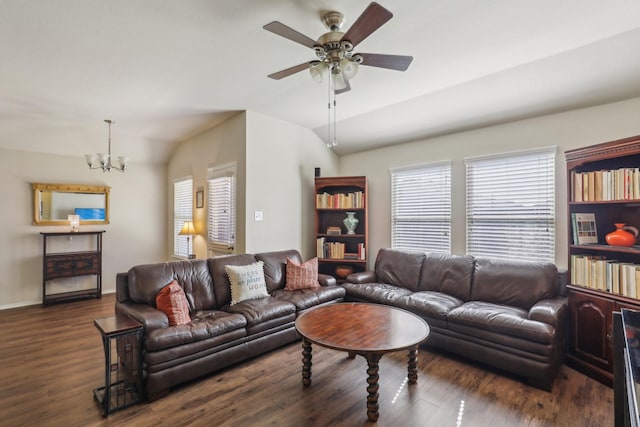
(339, 81)
(349, 68)
(317, 70)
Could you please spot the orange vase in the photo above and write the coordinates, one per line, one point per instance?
(623, 236)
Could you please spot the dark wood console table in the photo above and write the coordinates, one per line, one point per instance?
(70, 264)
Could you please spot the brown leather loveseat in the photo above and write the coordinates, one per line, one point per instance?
(219, 334)
(506, 314)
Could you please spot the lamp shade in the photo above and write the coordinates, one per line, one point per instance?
(188, 229)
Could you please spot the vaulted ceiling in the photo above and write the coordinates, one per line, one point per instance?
(166, 70)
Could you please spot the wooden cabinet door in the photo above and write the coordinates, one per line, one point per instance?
(591, 327)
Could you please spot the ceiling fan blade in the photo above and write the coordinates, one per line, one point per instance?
(373, 17)
(392, 62)
(288, 71)
(346, 89)
(289, 33)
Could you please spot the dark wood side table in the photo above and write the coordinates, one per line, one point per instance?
(122, 340)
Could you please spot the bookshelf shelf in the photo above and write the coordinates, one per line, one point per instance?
(597, 285)
(335, 196)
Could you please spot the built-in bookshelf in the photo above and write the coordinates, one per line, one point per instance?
(338, 250)
(603, 188)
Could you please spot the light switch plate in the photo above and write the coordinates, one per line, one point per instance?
(258, 216)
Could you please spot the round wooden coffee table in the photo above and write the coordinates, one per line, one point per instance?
(369, 330)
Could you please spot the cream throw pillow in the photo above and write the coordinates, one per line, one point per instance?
(247, 281)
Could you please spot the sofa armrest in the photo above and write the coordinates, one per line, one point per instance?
(362, 277)
(552, 311)
(326, 280)
(150, 317)
(122, 287)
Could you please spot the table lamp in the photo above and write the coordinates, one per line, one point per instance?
(188, 229)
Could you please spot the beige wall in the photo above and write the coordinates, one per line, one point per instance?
(134, 236)
(281, 159)
(275, 166)
(568, 130)
(220, 145)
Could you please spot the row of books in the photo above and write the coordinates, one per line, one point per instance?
(605, 185)
(336, 250)
(340, 200)
(596, 272)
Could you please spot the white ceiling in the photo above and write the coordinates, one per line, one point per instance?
(166, 70)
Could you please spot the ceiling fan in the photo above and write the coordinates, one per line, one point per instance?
(334, 49)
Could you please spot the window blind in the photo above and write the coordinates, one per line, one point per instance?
(511, 206)
(221, 210)
(182, 211)
(421, 208)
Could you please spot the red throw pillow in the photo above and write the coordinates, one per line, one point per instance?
(172, 301)
(302, 276)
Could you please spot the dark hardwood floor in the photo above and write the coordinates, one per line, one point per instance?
(51, 359)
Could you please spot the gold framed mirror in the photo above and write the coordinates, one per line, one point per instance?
(53, 203)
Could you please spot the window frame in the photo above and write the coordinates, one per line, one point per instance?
(525, 234)
(227, 171)
(440, 208)
(182, 211)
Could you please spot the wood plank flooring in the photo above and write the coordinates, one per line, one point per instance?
(51, 359)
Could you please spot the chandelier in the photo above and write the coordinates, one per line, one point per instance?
(104, 160)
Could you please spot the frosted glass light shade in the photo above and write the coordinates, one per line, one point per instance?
(317, 71)
(349, 68)
(339, 82)
(91, 159)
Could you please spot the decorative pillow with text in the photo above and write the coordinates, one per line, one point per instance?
(302, 276)
(172, 301)
(247, 281)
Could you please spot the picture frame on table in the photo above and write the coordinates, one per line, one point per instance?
(200, 199)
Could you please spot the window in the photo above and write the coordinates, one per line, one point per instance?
(221, 209)
(421, 208)
(511, 206)
(182, 211)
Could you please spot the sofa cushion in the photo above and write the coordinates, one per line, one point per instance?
(264, 313)
(399, 268)
(247, 282)
(275, 267)
(221, 284)
(514, 283)
(307, 298)
(430, 304)
(381, 293)
(145, 281)
(204, 325)
(448, 274)
(302, 275)
(172, 301)
(500, 319)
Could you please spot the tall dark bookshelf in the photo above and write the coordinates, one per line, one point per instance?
(329, 219)
(591, 309)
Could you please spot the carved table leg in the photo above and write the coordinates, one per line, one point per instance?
(413, 365)
(306, 363)
(372, 388)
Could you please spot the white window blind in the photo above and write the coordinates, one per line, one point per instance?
(182, 211)
(511, 206)
(221, 210)
(421, 208)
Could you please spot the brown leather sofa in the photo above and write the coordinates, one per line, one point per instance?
(506, 314)
(219, 334)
